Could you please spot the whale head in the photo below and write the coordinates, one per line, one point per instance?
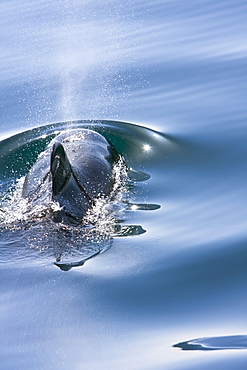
(74, 170)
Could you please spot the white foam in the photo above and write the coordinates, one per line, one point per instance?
(16, 209)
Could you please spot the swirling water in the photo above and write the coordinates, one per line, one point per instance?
(177, 70)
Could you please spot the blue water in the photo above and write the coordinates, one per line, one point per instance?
(175, 69)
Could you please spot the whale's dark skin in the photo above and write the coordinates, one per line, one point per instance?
(77, 165)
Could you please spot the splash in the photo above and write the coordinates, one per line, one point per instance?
(108, 210)
(16, 209)
(102, 216)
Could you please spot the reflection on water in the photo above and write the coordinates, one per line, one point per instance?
(43, 242)
(215, 343)
(178, 68)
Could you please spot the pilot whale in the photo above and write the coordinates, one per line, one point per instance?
(76, 168)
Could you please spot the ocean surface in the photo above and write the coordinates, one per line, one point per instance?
(165, 81)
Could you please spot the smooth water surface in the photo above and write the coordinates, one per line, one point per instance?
(175, 296)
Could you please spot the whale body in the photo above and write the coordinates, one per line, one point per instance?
(77, 166)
